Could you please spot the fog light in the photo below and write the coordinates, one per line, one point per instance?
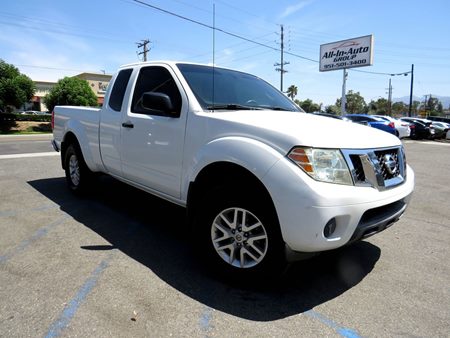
(330, 227)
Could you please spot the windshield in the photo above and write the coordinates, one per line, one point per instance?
(233, 90)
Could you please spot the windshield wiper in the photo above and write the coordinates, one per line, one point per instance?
(232, 106)
(278, 108)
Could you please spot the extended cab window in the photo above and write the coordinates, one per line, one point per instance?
(157, 80)
(118, 91)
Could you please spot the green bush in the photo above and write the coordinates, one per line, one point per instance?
(35, 118)
(7, 117)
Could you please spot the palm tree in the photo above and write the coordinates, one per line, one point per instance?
(292, 91)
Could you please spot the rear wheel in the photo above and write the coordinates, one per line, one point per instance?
(239, 233)
(78, 175)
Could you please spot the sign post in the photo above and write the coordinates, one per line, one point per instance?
(344, 54)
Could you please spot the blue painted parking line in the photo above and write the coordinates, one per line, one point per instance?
(41, 232)
(69, 312)
(11, 213)
(205, 319)
(343, 331)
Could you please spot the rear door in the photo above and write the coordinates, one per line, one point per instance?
(152, 144)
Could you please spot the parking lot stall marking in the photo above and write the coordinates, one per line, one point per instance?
(7, 213)
(343, 331)
(11, 213)
(205, 319)
(41, 232)
(69, 312)
(12, 156)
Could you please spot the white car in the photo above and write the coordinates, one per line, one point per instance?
(401, 127)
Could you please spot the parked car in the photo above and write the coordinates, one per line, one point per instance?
(372, 121)
(422, 128)
(333, 116)
(441, 129)
(439, 119)
(402, 128)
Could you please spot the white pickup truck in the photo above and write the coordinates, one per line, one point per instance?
(261, 180)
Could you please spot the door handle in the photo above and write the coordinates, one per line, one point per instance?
(128, 125)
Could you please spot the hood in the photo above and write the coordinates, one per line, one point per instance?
(284, 129)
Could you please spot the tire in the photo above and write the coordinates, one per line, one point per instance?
(78, 175)
(239, 234)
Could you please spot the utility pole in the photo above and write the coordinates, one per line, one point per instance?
(280, 66)
(145, 50)
(411, 91)
(390, 98)
(425, 105)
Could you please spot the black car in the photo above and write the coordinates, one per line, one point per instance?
(420, 128)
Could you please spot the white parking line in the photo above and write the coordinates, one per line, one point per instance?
(52, 153)
(430, 143)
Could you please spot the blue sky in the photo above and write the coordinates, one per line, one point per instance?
(50, 39)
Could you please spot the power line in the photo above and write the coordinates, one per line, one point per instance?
(204, 24)
(242, 37)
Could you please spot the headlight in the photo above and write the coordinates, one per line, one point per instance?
(326, 165)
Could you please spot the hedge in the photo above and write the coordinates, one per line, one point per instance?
(21, 117)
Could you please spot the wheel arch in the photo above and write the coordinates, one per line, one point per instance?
(69, 139)
(225, 174)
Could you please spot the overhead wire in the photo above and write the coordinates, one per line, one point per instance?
(143, 3)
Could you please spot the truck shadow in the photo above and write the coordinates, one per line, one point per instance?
(154, 233)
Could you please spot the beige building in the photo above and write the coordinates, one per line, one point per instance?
(97, 81)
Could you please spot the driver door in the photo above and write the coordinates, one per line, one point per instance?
(152, 143)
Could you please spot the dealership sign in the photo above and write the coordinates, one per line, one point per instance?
(357, 52)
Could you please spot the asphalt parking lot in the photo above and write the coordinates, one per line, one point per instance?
(119, 263)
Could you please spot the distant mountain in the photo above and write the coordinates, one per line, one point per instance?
(444, 99)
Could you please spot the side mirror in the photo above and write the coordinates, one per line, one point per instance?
(157, 103)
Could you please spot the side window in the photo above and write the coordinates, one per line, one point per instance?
(158, 80)
(118, 91)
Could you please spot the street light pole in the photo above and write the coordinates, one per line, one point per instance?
(411, 91)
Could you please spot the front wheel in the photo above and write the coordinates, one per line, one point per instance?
(240, 235)
(239, 238)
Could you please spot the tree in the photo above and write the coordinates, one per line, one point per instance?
(15, 87)
(415, 107)
(378, 107)
(433, 106)
(355, 103)
(399, 108)
(309, 106)
(70, 91)
(333, 109)
(292, 91)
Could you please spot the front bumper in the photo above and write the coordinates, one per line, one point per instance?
(305, 206)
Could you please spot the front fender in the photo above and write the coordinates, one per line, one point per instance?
(253, 155)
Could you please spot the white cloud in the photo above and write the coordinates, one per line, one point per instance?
(293, 9)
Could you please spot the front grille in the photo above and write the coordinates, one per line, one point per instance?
(381, 155)
(380, 168)
(358, 171)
